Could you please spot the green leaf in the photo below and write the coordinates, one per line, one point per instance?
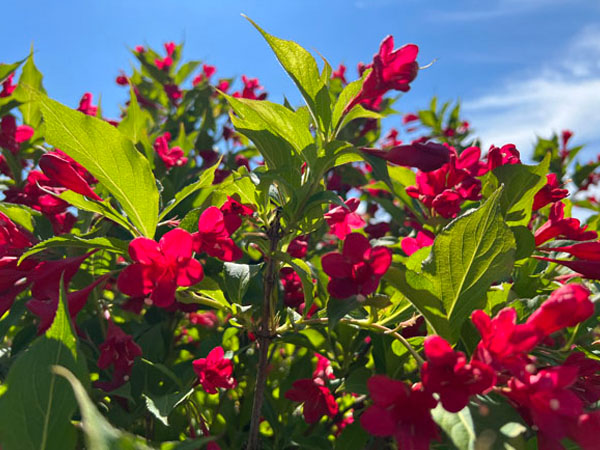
(521, 183)
(338, 308)
(109, 156)
(356, 383)
(30, 76)
(305, 274)
(237, 278)
(205, 181)
(161, 406)
(99, 434)
(134, 123)
(36, 409)
(304, 72)
(20, 214)
(105, 243)
(7, 69)
(103, 208)
(15, 313)
(350, 91)
(470, 254)
(458, 426)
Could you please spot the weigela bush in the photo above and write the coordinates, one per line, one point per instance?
(215, 270)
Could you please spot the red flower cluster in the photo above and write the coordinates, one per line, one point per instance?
(343, 219)
(159, 268)
(251, 86)
(166, 62)
(171, 157)
(207, 72)
(11, 135)
(559, 226)
(215, 371)
(358, 269)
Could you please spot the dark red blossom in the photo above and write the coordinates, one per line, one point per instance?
(377, 230)
(173, 92)
(584, 250)
(340, 74)
(11, 135)
(448, 374)
(358, 269)
(401, 412)
(171, 157)
(12, 239)
(343, 219)
(507, 154)
(120, 351)
(62, 172)
(293, 292)
(323, 370)
(391, 70)
(566, 307)
(214, 234)
(551, 192)
(298, 247)
(318, 400)
(426, 156)
(559, 226)
(159, 267)
(587, 386)
(215, 371)
(585, 268)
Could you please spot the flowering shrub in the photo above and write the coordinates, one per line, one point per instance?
(215, 270)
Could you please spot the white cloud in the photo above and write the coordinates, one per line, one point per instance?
(562, 95)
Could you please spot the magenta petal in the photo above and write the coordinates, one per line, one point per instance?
(176, 244)
(135, 281)
(336, 265)
(342, 287)
(23, 133)
(211, 221)
(380, 259)
(190, 274)
(62, 172)
(163, 294)
(145, 251)
(378, 421)
(355, 247)
(438, 350)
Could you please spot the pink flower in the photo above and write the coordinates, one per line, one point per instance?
(358, 269)
(586, 268)
(171, 157)
(11, 135)
(120, 351)
(508, 154)
(13, 241)
(411, 245)
(408, 118)
(323, 369)
(206, 319)
(85, 105)
(62, 172)
(450, 375)
(251, 86)
(214, 234)
(207, 72)
(160, 267)
(318, 400)
(170, 48)
(343, 219)
(215, 371)
(427, 156)
(559, 226)
(401, 412)
(392, 69)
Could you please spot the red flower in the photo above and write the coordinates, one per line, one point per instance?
(323, 369)
(251, 85)
(401, 412)
(545, 400)
(163, 63)
(120, 351)
(508, 154)
(85, 105)
(549, 193)
(411, 245)
(340, 74)
(566, 307)
(298, 247)
(408, 118)
(233, 211)
(206, 319)
(392, 69)
(215, 371)
(214, 234)
(62, 172)
(318, 400)
(12, 240)
(7, 87)
(504, 344)
(171, 157)
(173, 92)
(447, 373)
(11, 135)
(560, 227)
(160, 267)
(358, 269)
(426, 156)
(587, 386)
(170, 48)
(293, 292)
(208, 71)
(122, 80)
(584, 250)
(377, 230)
(343, 219)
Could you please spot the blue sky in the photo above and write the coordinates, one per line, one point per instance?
(520, 66)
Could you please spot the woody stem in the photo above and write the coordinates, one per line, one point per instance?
(264, 336)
